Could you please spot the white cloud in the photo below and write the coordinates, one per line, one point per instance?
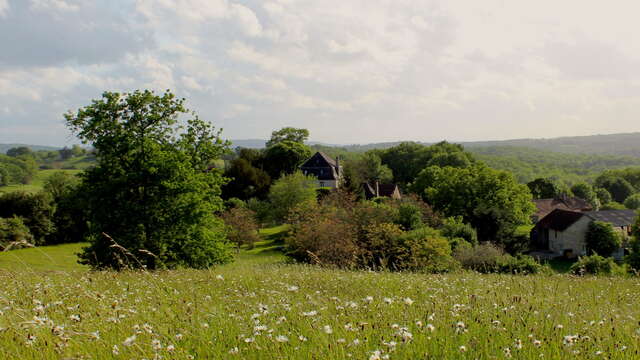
(4, 7)
(385, 70)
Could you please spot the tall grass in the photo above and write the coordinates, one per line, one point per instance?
(262, 308)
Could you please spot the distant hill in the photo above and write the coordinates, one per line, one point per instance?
(5, 147)
(614, 144)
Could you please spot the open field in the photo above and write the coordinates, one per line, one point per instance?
(38, 181)
(260, 307)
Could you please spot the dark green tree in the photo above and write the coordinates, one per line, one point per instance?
(246, 181)
(618, 187)
(20, 151)
(153, 190)
(36, 210)
(285, 157)
(288, 134)
(601, 239)
(542, 188)
(491, 201)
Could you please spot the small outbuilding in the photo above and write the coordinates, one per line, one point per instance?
(377, 190)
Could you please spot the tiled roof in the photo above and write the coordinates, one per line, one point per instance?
(615, 217)
(546, 206)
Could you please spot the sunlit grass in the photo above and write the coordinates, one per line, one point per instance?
(261, 307)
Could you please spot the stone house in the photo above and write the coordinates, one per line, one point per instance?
(327, 170)
(563, 232)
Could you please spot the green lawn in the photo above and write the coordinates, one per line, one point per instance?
(45, 258)
(263, 307)
(38, 181)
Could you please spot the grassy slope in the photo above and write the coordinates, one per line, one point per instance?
(221, 309)
(46, 258)
(37, 183)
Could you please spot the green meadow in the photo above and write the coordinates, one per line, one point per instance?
(263, 307)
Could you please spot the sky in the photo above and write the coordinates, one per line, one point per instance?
(350, 71)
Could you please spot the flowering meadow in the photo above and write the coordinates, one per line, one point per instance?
(262, 308)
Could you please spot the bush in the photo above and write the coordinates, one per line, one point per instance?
(519, 264)
(612, 205)
(422, 250)
(488, 258)
(481, 258)
(601, 238)
(633, 259)
(242, 229)
(633, 202)
(409, 216)
(344, 233)
(14, 233)
(320, 236)
(454, 227)
(593, 264)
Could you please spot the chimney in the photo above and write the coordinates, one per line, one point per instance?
(377, 188)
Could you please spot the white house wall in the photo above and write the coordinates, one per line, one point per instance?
(571, 238)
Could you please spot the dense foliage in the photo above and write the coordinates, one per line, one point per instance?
(340, 231)
(490, 200)
(602, 239)
(152, 194)
(289, 191)
(36, 210)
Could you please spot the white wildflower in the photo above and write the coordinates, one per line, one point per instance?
(129, 341)
(408, 301)
(327, 329)
(282, 338)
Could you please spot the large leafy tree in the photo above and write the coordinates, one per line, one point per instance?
(407, 159)
(490, 200)
(285, 157)
(153, 191)
(288, 134)
(367, 168)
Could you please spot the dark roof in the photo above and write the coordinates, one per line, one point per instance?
(546, 206)
(321, 166)
(559, 219)
(319, 159)
(615, 217)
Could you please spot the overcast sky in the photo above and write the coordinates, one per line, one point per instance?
(351, 71)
